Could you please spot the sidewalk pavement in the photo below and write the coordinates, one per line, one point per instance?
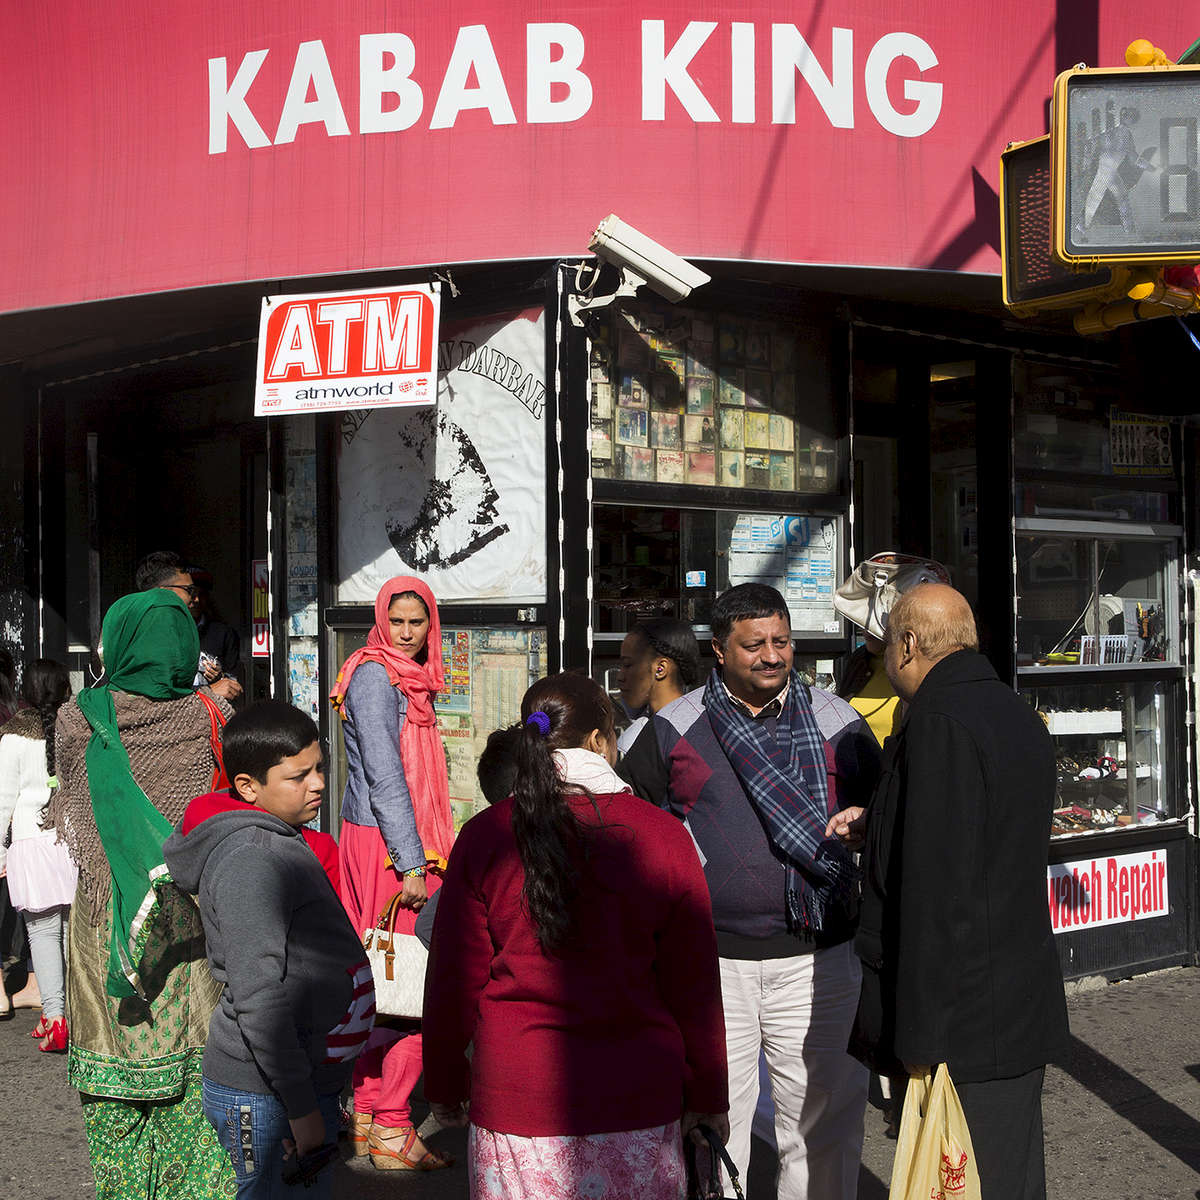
(1122, 1112)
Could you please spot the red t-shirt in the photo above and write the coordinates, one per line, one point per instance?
(321, 844)
(624, 1030)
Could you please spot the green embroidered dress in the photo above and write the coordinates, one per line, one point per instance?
(139, 994)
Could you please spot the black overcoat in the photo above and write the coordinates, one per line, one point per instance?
(959, 961)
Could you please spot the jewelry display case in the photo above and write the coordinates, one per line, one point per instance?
(1098, 658)
(1114, 743)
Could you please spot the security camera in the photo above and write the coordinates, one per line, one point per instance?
(641, 260)
(619, 243)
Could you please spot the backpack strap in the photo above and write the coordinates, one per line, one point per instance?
(216, 720)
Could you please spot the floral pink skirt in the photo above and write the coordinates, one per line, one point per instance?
(642, 1164)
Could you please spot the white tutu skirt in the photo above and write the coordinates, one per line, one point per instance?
(41, 873)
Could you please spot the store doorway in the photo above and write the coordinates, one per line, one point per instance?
(932, 466)
(180, 469)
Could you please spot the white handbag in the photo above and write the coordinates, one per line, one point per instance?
(398, 965)
(874, 586)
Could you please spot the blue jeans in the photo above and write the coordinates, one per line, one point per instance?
(251, 1126)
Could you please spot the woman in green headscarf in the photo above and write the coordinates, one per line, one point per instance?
(131, 754)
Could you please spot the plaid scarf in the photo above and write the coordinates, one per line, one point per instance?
(784, 778)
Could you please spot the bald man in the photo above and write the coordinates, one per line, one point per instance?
(959, 961)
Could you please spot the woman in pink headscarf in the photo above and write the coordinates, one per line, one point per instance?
(396, 825)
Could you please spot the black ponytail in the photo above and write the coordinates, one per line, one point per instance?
(48, 716)
(46, 688)
(665, 637)
(548, 833)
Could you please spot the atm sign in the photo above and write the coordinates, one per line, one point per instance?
(337, 350)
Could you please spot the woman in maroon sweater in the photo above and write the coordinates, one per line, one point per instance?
(574, 947)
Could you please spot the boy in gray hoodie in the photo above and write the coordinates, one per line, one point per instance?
(297, 1000)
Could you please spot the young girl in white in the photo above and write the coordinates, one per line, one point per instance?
(41, 875)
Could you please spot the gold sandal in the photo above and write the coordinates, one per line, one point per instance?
(387, 1157)
(360, 1131)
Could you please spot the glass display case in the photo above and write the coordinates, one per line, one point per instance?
(1095, 594)
(1114, 751)
(1098, 657)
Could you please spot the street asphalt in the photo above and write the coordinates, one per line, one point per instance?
(1122, 1112)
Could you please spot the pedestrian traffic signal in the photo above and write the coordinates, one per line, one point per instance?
(1033, 280)
(1125, 172)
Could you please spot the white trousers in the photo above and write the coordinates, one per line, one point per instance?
(799, 1011)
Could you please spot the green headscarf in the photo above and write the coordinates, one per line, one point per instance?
(151, 648)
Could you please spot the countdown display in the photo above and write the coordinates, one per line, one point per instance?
(1033, 279)
(1127, 165)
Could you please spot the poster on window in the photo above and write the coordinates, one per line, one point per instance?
(455, 493)
(796, 554)
(1140, 444)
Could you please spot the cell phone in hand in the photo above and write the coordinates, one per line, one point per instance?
(303, 1171)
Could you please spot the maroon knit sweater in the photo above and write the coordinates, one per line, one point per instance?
(624, 1030)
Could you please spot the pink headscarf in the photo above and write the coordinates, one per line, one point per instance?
(420, 746)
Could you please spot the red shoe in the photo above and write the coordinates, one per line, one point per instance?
(55, 1040)
(40, 1030)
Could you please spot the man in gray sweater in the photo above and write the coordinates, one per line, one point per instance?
(297, 999)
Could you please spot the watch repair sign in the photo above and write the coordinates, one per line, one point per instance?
(1109, 890)
(333, 350)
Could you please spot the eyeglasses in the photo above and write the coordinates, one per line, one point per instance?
(190, 589)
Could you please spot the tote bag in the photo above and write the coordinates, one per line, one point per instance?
(398, 964)
(934, 1157)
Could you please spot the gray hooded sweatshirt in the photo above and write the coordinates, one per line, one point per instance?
(297, 1000)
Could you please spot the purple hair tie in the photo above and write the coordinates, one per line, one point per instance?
(541, 720)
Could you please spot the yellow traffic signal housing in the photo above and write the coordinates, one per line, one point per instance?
(1126, 166)
(1033, 280)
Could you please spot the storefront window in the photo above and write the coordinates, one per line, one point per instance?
(1093, 601)
(684, 397)
(674, 562)
(1042, 499)
(1079, 454)
(1062, 426)
(1097, 608)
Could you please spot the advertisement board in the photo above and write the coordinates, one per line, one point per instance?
(323, 351)
(455, 493)
(279, 140)
(798, 554)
